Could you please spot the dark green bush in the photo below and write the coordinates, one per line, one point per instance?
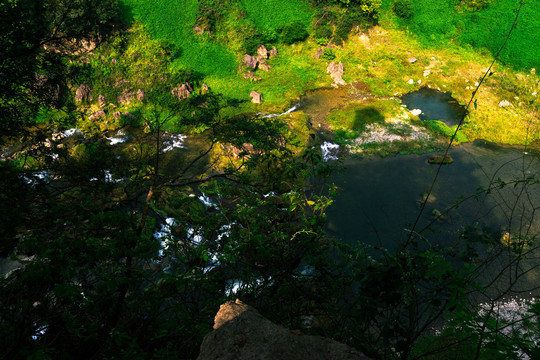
(349, 19)
(293, 32)
(403, 8)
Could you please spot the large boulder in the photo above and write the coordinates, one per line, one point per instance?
(250, 61)
(83, 93)
(262, 52)
(336, 71)
(256, 97)
(241, 333)
(182, 91)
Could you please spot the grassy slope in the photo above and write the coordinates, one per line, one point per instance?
(378, 59)
(438, 21)
(272, 14)
(216, 64)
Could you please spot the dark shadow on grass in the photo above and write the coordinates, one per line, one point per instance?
(126, 12)
(366, 116)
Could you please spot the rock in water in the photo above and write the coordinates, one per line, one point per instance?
(336, 72)
(441, 159)
(241, 333)
(256, 97)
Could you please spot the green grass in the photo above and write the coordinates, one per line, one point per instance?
(439, 21)
(273, 14)
(173, 21)
(440, 127)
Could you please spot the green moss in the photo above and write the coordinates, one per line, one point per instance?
(441, 128)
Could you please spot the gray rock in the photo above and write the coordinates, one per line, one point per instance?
(97, 115)
(262, 52)
(256, 97)
(101, 100)
(204, 89)
(273, 51)
(241, 333)
(412, 60)
(250, 61)
(141, 96)
(336, 72)
(83, 93)
(121, 83)
(182, 91)
(125, 97)
(319, 53)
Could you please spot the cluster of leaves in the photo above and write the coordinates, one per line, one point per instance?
(403, 8)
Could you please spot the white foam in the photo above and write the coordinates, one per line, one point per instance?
(72, 132)
(269, 116)
(175, 141)
(329, 151)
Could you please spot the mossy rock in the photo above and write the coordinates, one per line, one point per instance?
(440, 159)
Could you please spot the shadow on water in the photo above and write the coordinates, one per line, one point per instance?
(435, 105)
(380, 196)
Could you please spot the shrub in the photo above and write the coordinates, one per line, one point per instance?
(328, 54)
(403, 9)
(293, 32)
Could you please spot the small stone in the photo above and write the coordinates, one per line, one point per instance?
(97, 115)
(412, 60)
(419, 81)
(273, 51)
(533, 71)
(319, 53)
(411, 81)
(504, 103)
(476, 83)
(534, 93)
(101, 100)
(265, 67)
(427, 72)
(141, 96)
(204, 89)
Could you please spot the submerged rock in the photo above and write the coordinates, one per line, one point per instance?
(441, 159)
(241, 333)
